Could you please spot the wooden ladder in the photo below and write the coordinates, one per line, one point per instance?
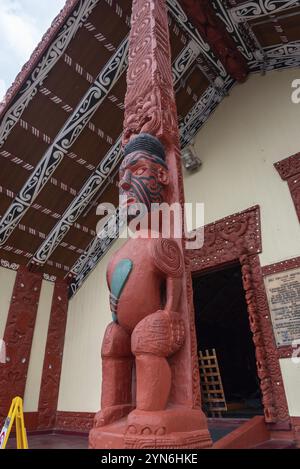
(213, 397)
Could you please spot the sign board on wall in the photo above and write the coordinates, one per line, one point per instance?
(283, 292)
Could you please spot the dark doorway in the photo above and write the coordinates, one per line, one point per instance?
(222, 323)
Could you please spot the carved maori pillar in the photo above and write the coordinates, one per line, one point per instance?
(150, 286)
(18, 337)
(150, 107)
(268, 367)
(53, 357)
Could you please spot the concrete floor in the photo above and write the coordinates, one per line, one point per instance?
(53, 442)
(61, 441)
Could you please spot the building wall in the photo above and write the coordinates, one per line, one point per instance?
(254, 127)
(291, 376)
(7, 281)
(34, 375)
(88, 316)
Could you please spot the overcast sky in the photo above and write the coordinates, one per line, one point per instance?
(22, 25)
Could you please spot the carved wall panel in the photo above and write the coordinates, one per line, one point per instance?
(53, 357)
(227, 239)
(74, 421)
(289, 170)
(18, 337)
(237, 238)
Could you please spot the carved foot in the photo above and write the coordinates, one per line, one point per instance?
(110, 414)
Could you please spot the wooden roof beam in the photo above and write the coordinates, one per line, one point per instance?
(63, 142)
(212, 30)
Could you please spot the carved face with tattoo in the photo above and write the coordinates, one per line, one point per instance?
(143, 173)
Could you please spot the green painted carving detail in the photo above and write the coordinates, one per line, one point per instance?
(120, 277)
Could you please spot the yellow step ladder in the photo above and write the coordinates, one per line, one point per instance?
(15, 414)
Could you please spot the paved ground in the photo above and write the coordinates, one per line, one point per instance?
(81, 442)
(54, 442)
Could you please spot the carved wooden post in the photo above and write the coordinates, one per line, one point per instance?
(53, 356)
(18, 337)
(159, 335)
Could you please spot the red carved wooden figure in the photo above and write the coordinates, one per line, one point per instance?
(150, 381)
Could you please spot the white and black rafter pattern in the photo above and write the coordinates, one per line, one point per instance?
(80, 202)
(52, 55)
(181, 18)
(233, 29)
(64, 140)
(278, 57)
(104, 170)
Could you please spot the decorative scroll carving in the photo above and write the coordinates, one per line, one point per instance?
(161, 441)
(149, 103)
(289, 170)
(257, 8)
(207, 54)
(211, 29)
(18, 337)
(9, 265)
(195, 363)
(276, 57)
(74, 421)
(200, 112)
(237, 238)
(53, 356)
(167, 256)
(236, 32)
(268, 368)
(79, 203)
(288, 167)
(227, 239)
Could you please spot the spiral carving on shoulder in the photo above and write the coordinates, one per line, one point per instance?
(167, 257)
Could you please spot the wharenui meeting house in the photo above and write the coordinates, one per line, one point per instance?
(179, 338)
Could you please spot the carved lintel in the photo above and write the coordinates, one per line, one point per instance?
(227, 239)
